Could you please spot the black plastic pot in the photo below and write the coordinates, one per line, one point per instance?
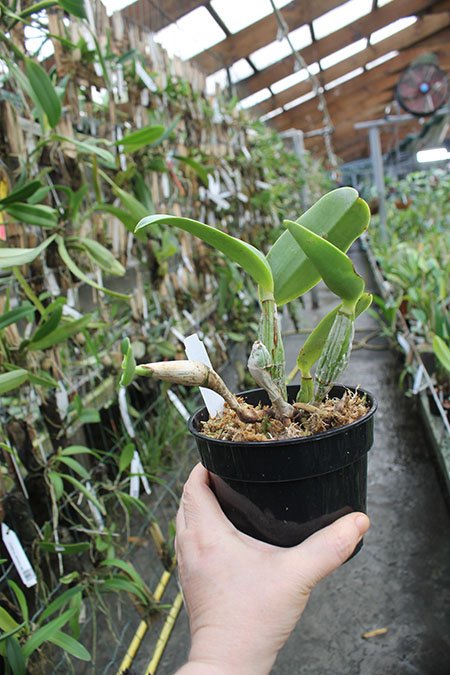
(282, 491)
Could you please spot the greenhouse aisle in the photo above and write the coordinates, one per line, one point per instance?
(400, 581)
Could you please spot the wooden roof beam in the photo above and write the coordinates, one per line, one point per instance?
(425, 28)
(157, 14)
(362, 28)
(261, 33)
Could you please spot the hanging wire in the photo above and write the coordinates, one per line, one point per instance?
(328, 128)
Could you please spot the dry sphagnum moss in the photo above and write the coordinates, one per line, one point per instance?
(331, 413)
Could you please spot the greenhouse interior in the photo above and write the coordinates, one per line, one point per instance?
(224, 336)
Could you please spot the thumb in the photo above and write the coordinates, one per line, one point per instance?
(326, 550)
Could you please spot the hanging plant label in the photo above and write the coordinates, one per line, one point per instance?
(97, 516)
(18, 556)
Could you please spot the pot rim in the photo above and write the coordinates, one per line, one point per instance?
(290, 441)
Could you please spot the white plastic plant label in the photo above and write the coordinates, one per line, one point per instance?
(178, 404)
(18, 557)
(97, 516)
(138, 475)
(196, 351)
(126, 419)
(403, 342)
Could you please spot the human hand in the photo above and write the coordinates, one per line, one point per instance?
(243, 596)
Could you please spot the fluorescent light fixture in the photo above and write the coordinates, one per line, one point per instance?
(238, 71)
(344, 78)
(255, 98)
(238, 14)
(116, 5)
(340, 16)
(294, 78)
(191, 34)
(381, 59)
(269, 115)
(344, 53)
(433, 155)
(392, 28)
(299, 100)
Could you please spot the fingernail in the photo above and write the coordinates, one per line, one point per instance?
(362, 523)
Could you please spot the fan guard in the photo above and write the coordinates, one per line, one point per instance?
(422, 89)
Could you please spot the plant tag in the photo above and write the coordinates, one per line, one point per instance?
(178, 405)
(403, 342)
(145, 77)
(62, 400)
(196, 351)
(138, 472)
(418, 377)
(123, 406)
(190, 318)
(97, 516)
(18, 556)
(176, 333)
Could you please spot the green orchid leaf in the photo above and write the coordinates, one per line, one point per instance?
(74, 7)
(12, 380)
(21, 193)
(131, 204)
(42, 379)
(20, 597)
(334, 266)
(60, 601)
(128, 363)
(60, 334)
(341, 217)
(64, 549)
(73, 267)
(33, 214)
(58, 486)
(442, 352)
(14, 315)
(81, 488)
(245, 255)
(49, 325)
(102, 256)
(141, 138)
(44, 91)
(70, 645)
(15, 656)
(75, 466)
(89, 148)
(14, 257)
(199, 169)
(45, 633)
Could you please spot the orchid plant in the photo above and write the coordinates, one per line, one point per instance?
(312, 248)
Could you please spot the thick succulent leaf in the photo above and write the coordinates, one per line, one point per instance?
(245, 255)
(341, 217)
(13, 257)
(334, 266)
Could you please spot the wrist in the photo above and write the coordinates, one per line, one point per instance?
(222, 656)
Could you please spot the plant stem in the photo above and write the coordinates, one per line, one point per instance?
(28, 290)
(269, 333)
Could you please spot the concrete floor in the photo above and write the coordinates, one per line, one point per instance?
(401, 578)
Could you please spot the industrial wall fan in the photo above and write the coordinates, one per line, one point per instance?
(423, 88)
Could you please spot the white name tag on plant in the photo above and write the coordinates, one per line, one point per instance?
(196, 351)
(18, 556)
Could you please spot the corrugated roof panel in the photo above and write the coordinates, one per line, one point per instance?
(191, 34)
